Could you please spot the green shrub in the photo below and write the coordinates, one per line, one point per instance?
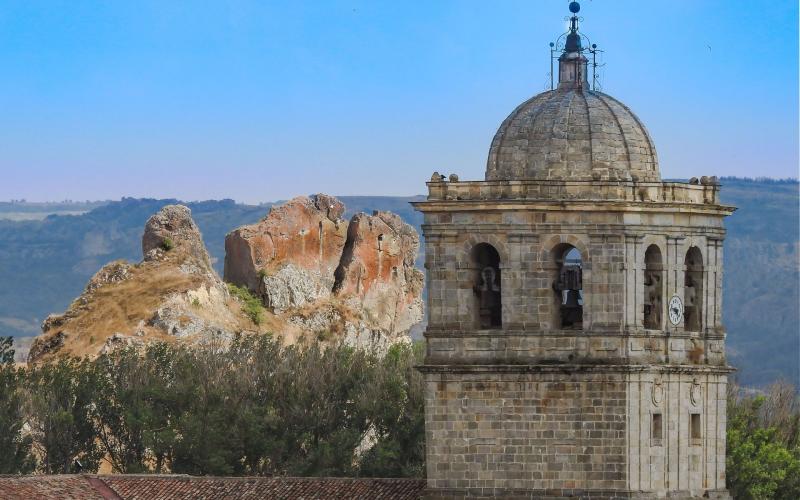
(763, 441)
(262, 273)
(167, 244)
(15, 444)
(251, 305)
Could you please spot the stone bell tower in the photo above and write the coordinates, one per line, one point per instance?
(574, 345)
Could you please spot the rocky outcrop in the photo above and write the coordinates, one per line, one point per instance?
(356, 279)
(47, 344)
(317, 275)
(173, 293)
(116, 271)
(170, 228)
(307, 232)
(293, 286)
(377, 272)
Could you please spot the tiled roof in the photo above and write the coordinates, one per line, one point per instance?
(40, 487)
(174, 487)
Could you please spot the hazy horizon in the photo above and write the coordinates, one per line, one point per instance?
(260, 102)
(279, 200)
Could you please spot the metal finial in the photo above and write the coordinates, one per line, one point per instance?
(574, 7)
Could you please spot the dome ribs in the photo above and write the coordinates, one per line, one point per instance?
(555, 136)
(651, 149)
(588, 126)
(499, 140)
(559, 137)
(622, 136)
(521, 162)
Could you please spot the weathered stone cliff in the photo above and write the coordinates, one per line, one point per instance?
(377, 272)
(289, 257)
(172, 293)
(317, 271)
(317, 275)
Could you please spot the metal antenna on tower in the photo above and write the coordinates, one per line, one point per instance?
(595, 79)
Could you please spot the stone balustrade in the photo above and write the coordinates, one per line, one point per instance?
(546, 190)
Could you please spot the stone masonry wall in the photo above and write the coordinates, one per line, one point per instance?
(495, 433)
(534, 409)
(658, 464)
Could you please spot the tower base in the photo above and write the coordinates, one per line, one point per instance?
(568, 494)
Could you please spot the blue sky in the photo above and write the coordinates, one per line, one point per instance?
(259, 101)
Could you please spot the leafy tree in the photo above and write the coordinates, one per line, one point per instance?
(6, 351)
(321, 398)
(398, 416)
(134, 407)
(60, 397)
(207, 412)
(763, 459)
(258, 427)
(15, 448)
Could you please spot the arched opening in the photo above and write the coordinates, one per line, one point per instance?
(653, 288)
(486, 286)
(693, 291)
(568, 285)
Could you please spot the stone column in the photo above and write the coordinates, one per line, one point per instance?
(634, 288)
(520, 305)
(606, 303)
(443, 285)
(714, 246)
(434, 270)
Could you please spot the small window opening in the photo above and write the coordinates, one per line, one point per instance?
(568, 286)
(696, 432)
(486, 286)
(380, 242)
(653, 288)
(657, 427)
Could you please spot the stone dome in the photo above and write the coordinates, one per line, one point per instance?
(572, 133)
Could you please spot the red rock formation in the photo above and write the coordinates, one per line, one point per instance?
(318, 277)
(367, 264)
(306, 232)
(377, 268)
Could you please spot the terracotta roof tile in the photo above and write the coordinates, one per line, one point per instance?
(65, 487)
(174, 487)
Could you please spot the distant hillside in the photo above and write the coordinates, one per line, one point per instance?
(25, 210)
(762, 261)
(45, 263)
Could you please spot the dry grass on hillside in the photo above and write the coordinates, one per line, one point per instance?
(119, 307)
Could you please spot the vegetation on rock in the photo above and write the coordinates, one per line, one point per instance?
(167, 244)
(251, 305)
